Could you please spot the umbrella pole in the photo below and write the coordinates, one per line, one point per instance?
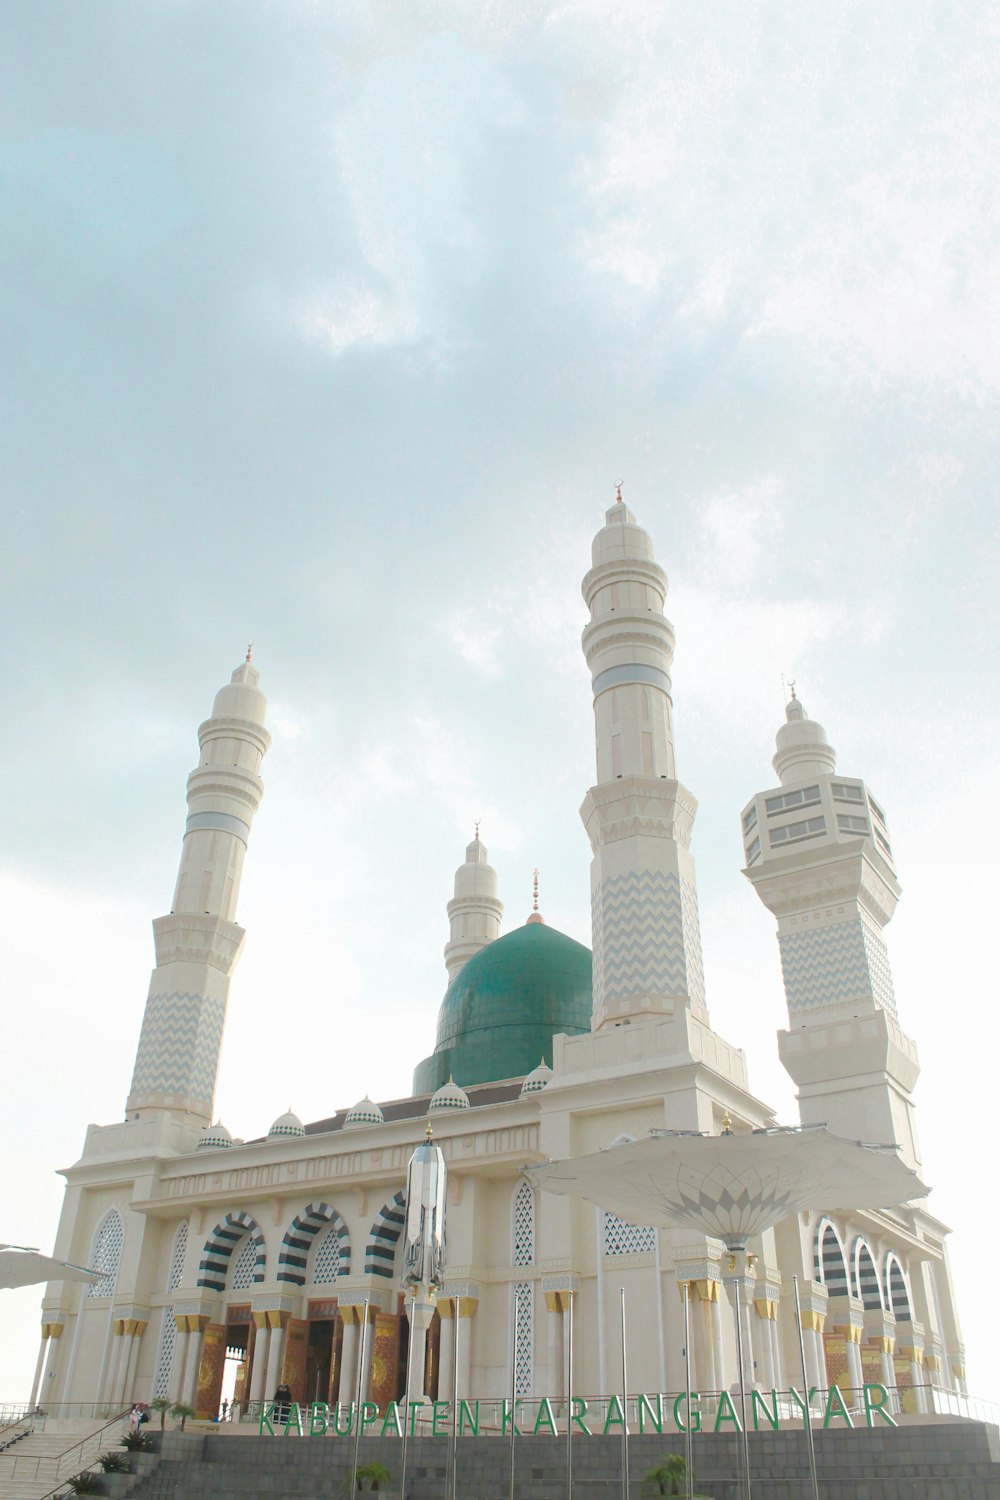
(406, 1399)
(515, 1306)
(738, 1283)
(688, 1444)
(454, 1400)
(569, 1399)
(358, 1407)
(624, 1404)
(810, 1444)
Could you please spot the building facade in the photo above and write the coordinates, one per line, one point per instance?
(268, 1252)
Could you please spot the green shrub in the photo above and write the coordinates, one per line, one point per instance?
(667, 1478)
(374, 1476)
(137, 1442)
(115, 1463)
(84, 1483)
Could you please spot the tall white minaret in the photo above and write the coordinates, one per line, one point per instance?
(819, 857)
(646, 935)
(198, 944)
(475, 910)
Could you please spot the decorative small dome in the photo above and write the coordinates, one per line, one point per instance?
(448, 1096)
(537, 1078)
(365, 1112)
(214, 1138)
(286, 1125)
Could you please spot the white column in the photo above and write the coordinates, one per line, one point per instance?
(420, 1317)
(777, 1376)
(258, 1365)
(177, 1365)
(854, 1369)
(275, 1349)
(765, 1368)
(74, 1348)
(43, 1349)
(49, 1373)
(445, 1356)
(348, 1356)
(717, 1344)
(195, 1340)
(701, 1325)
(119, 1365)
(744, 1292)
(815, 1359)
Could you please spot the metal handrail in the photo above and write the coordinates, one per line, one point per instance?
(59, 1459)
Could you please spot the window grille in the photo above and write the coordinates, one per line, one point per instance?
(177, 1259)
(106, 1253)
(627, 1239)
(326, 1262)
(168, 1332)
(524, 1226)
(523, 1341)
(244, 1262)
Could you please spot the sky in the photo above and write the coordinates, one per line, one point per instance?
(332, 326)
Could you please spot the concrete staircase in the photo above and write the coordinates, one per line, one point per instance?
(947, 1461)
(52, 1451)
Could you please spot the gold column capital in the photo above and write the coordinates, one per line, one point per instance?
(277, 1317)
(52, 1330)
(813, 1321)
(260, 1320)
(767, 1309)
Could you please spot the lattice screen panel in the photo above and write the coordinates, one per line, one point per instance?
(523, 1340)
(524, 1226)
(627, 1239)
(106, 1254)
(326, 1262)
(244, 1263)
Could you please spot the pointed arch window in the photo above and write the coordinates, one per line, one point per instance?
(106, 1253)
(523, 1226)
(168, 1332)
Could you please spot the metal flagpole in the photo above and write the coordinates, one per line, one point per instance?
(454, 1400)
(406, 1400)
(688, 1444)
(624, 1404)
(810, 1444)
(743, 1389)
(357, 1408)
(513, 1381)
(569, 1400)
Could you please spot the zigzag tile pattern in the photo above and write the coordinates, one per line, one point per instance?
(298, 1241)
(878, 968)
(219, 1247)
(380, 1255)
(826, 966)
(647, 937)
(179, 1045)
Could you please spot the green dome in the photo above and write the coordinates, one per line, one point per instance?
(501, 1012)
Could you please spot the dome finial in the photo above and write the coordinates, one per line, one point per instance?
(249, 650)
(618, 491)
(478, 821)
(535, 915)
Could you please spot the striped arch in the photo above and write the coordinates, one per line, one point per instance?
(897, 1292)
(300, 1237)
(380, 1255)
(866, 1282)
(220, 1245)
(829, 1261)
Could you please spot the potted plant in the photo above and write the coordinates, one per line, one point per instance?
(162, 1405)
(84, 1483)
(374, 1476)
(182, 1412)
(137, 1442)
(114, 1463)
(668, 1477)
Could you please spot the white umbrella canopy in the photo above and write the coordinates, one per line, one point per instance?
(733, 1186)
(23, 1267)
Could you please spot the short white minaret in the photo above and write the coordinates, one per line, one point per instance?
(818, 855)
(198, 944)
(475, 910)
(646, 935)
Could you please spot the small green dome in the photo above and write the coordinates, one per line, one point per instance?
(500, 1013)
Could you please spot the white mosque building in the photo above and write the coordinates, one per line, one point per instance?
(270, 1249)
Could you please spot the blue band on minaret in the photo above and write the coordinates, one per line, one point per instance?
(633, 672)
(221, 822)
